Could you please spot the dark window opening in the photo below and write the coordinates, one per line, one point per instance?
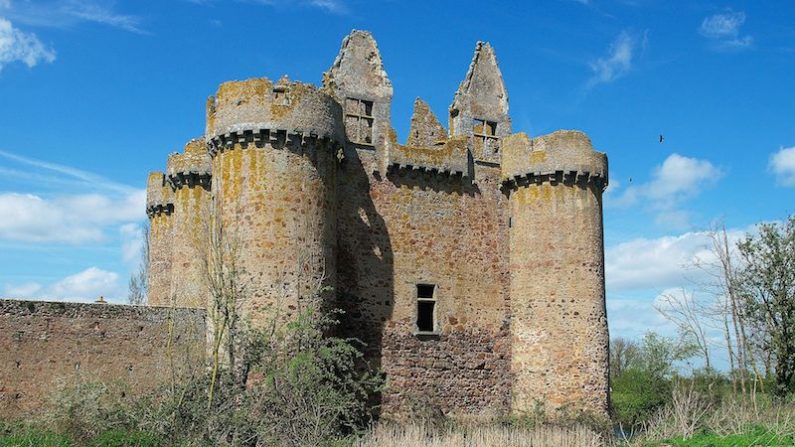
(426, 308)
(425, 316)
(425, 291)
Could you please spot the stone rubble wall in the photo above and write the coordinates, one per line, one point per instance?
(47, 346)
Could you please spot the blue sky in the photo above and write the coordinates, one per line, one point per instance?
(96, 93)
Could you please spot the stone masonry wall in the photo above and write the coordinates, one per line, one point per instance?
(46, 345)
(407, 228)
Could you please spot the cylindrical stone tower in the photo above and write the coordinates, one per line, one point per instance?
(190, 175)
(559, 332)
(159, 208)
(274, 155)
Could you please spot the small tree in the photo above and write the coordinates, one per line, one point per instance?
(139, 281)
(767, 283)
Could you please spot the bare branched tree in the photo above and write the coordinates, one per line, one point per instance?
(687, 314)
(139, 281)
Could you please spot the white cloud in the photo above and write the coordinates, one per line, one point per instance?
(18, 46)
(724, 30)
(68, 13)
(84, 286)
(70, 219)
(677, 179)
(633, 317)
(664, 262)
(782, 163)
(618, 61)
(27, 289)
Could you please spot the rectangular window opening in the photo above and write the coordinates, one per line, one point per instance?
(426, 308)
(425, 316)
(359, 120)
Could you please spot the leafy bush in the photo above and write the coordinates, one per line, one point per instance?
(637, 395)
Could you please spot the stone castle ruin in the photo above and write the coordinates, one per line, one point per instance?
(470, 260)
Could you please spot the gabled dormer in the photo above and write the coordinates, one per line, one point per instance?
(480, 106)
(358, 81)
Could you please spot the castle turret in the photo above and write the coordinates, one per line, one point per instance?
(159, 208)
(274, 155)
(559, 333)
(480, 106)
(190, 175)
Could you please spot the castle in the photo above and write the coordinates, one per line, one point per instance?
(470, 260)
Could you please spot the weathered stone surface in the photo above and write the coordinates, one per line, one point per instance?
(190, 176)
(159, 207)
(425, 130)
(44, 345)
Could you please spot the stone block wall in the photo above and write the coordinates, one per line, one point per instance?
(47, 345)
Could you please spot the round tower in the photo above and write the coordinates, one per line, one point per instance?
(190, 176)
(274, 162)
(559, 338)
(159, 208)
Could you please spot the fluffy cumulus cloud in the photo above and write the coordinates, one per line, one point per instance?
(72, 219)
(19, 46)
(670, 261)
(782, 163)
(677, 179)
(618, 61)
(724, 30)
(85, 286)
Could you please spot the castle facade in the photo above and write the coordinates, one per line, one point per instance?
(470, 260)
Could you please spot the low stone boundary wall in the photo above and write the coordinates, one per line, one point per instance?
(47, 345)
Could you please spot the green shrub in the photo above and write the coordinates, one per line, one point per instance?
(637, 395)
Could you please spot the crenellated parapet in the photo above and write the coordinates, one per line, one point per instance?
(428, 148)
(450, 158)
(192, 167)
(159, 195)
(258, 111)
(561, 156)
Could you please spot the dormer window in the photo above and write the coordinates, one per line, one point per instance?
(485, 133)
(359, 121)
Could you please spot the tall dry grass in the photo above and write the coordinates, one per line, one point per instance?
(480, 436)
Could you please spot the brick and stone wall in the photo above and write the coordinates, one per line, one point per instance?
(47, 345)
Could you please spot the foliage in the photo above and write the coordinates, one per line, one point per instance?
(85, 409)
(642, 377)
(637, 395)
(27, 437)
(314, 391)
(767, 283)
(759, 437)
(304, 389)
